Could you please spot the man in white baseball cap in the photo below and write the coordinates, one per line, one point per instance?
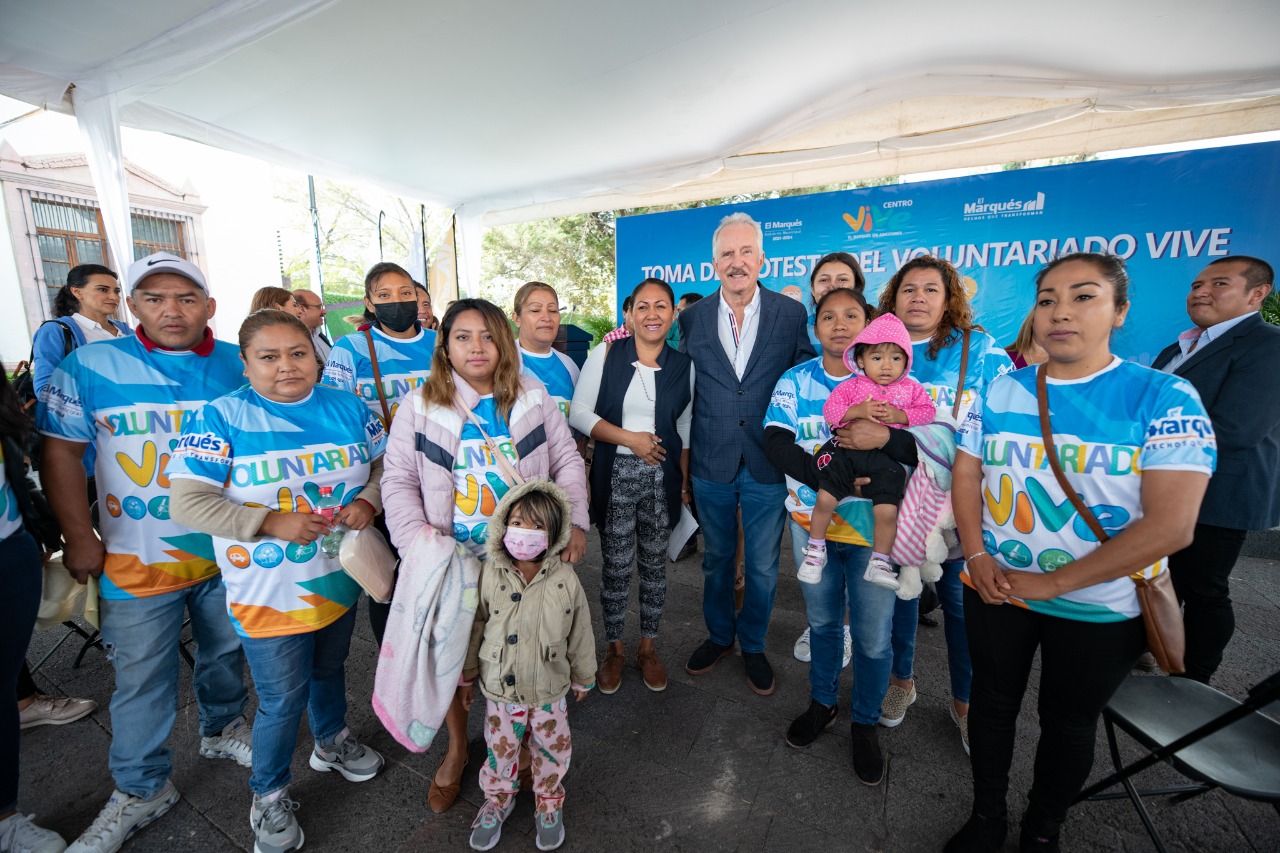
(130, 398)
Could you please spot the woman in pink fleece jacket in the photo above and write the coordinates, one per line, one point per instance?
(441, 471)
(880, 390)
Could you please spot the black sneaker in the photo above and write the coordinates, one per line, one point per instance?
(868, 763)
(705, 657)
(1028, 842)
(759, 673)
(813, 722)
(978, 835)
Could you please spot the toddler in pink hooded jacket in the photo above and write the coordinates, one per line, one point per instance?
(880, 389)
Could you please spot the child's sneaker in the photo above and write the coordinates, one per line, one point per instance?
(550, 826)
(815, 557)
(848, 648)
(275, 828)
(235, 742)
(121, 817)
(486, 829)
(355, 761)
(880, 572)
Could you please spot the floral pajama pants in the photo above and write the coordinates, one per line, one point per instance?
(545, 728)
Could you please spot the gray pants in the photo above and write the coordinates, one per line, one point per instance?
(634, 530)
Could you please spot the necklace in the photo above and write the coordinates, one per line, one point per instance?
(643, 386)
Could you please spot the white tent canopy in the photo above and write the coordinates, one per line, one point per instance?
(510, 110)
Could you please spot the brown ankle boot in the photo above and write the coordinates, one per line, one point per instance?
(609, 678)
(651, 668)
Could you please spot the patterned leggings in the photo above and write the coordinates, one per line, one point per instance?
(635, 522)
(545, 728)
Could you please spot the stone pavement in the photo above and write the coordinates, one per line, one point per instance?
(699, 767)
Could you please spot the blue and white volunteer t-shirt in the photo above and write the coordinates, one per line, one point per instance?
(478, 480)
(556, 371)
(796, 406)
(132, 404)
(10, 512)
(279, 456)
(403, 363)
(987, 360)
(1108, 428)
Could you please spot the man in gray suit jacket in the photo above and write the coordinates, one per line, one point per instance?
(742, 338)
(1231, 357)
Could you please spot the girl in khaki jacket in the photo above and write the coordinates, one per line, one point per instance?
(531, 643)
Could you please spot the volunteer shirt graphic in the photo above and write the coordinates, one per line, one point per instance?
(556, 371)
(1108, 428)
(134, 404)
(279, 456)
(478, 480)
(404, 366)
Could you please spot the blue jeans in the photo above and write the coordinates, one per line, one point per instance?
(142, 637)
(292, 673)
(762, 516)
(870, 609)
(906, 620)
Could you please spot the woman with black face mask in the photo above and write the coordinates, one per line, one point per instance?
(392, 357)
(384, 363)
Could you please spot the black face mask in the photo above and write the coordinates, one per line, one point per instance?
(397, 316)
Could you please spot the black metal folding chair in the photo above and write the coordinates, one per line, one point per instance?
(1202, 733)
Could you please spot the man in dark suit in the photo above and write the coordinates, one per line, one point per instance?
(1231, 357)
(742, 338)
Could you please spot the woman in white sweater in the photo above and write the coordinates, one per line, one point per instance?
(635, 398)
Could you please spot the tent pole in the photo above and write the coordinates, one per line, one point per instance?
(315, 227)
(381, 214)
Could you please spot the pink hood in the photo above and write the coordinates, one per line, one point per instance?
(885, 329)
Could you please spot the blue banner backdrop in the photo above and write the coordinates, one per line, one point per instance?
(1168, 215)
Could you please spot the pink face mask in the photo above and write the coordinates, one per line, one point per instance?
(523, 543)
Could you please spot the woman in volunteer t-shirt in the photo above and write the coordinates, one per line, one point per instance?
(401, 357)
(794, 430)
(537, 316)
(250, 470)
(929, 297)
(1137, 446)
(441, 471)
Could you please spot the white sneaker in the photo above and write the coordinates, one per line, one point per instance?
(880, 573)
(19, 834)
(802, 651)
(274, 827)
(355, 761)
(121, 818)
(235, 742)
(810, 571)
(848, 647)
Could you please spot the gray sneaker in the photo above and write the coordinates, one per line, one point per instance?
(486, 829)
(121, 818)
(893, 710)
(19, 834)
(550, 826)
(275, 828)
(235, 742)
(355, 761)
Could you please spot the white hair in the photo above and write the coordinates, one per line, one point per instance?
(738, 218)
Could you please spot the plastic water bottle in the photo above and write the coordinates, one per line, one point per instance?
(328, 506)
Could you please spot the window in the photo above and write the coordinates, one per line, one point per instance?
(69, 232)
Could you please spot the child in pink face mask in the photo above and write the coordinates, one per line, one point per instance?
(531, 643)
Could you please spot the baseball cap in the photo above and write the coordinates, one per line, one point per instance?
(164, 262)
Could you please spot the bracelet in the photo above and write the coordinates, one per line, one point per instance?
(976, 556)
(686, 491)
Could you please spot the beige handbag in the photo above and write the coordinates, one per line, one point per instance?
(368, 559)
